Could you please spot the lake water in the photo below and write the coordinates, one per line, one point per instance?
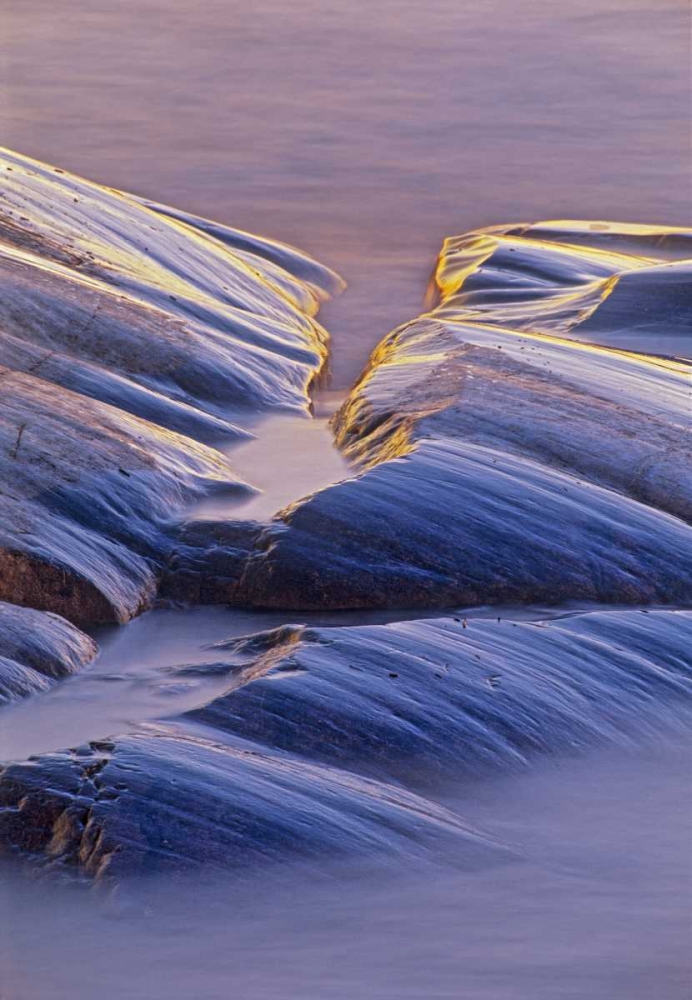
(364, 132)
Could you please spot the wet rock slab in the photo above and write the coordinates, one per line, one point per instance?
(131, 338)
(37, 649)
(329, 740)
(162, 801)
(500, 459)
(622, 285)
(445, 698)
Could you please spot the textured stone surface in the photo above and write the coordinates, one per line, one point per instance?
(329, 739)
(499, 463)
(626, 286)
(163, 800)
(449, 697)
(498, 458)
(131, 338)
(36, 649)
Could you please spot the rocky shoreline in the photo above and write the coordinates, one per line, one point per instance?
(525, 440)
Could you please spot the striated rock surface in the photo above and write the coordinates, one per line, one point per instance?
(168, 800)
(88, 497)
(419, 700)
(131, 337)
(37, 648)
(499, 463)
(327, 740)
(499, 458)
(623, 285)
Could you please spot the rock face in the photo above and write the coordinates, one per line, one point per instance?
(36, 649)
(328, 739)
(130, 336)
(163, 800)
(626, 286)
(499, 463)
(416, 701)
(499, 456)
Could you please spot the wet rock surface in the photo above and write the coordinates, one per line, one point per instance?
(163, 800)
(625, 286)
(500, 463)
(37, 649)
(449, 697)
(329, 739)
(131, 337)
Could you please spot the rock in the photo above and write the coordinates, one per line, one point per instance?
(165, 800)
(36, 649)
(496, 464)
(209, 561)
(626, 286)
(305, 757)
(562, 685)
(88, 500)
(131, 338)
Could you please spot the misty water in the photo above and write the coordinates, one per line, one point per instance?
(364, 133)
(289, 457)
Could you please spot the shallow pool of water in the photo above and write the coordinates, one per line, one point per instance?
(289, 458)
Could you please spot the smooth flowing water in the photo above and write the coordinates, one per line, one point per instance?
(289, 458)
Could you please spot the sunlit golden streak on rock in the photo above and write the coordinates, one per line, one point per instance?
(502, 459)
(132, 340)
